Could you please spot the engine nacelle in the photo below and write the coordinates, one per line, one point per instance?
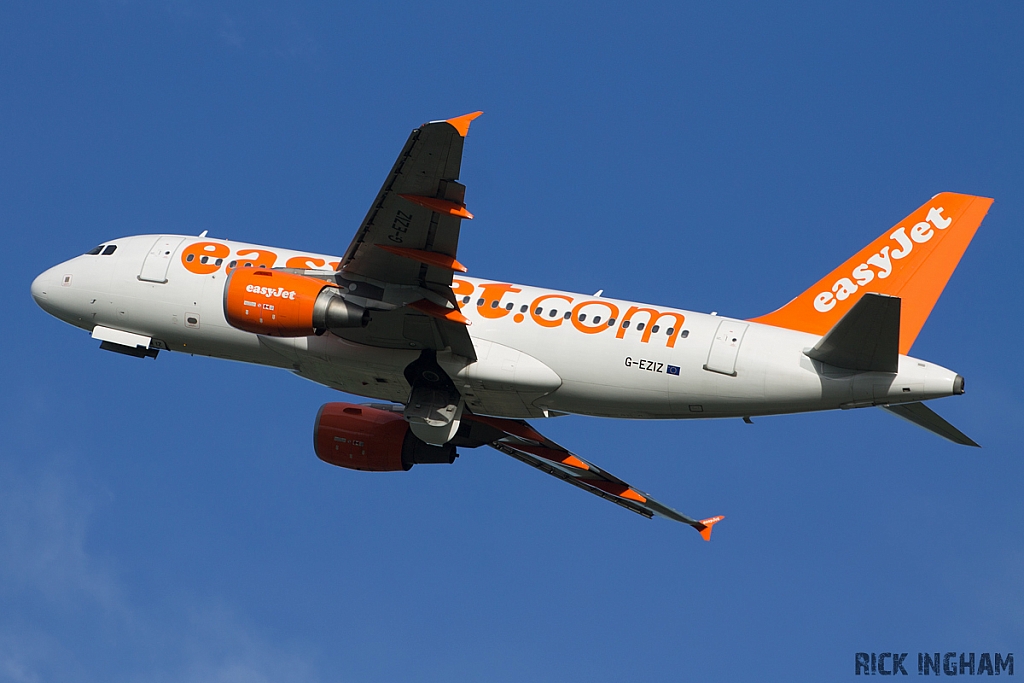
(365, 438)
(280, 304)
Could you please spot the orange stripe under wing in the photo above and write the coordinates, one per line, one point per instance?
(439, 205)
(431, 258)
(564, 457)
(435, 311)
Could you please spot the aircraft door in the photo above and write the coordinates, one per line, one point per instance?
(725, 347)
(158, 260)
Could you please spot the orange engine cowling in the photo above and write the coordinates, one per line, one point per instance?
(370, 439)
(281, 304)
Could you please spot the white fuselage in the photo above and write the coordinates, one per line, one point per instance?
(533, 361)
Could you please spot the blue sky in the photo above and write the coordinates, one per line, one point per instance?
(168, 520)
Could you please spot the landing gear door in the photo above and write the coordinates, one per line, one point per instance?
(158, 260)
(725, 347)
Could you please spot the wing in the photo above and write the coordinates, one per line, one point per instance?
(518, 439)
(401, 261)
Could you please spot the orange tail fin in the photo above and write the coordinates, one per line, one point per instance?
(706, 525)
(913, 260)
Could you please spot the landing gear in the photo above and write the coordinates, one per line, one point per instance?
(434, 409)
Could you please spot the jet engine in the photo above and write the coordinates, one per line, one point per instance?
(281, 304)
(373, 440)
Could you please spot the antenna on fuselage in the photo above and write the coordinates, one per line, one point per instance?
(203, 233)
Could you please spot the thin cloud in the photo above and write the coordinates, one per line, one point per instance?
(42, 542)
(230, 34)
(44, 563)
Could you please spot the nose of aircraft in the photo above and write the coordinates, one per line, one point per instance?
(42, 288)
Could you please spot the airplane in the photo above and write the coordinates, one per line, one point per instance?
(455, 362)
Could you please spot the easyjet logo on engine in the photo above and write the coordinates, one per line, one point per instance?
(271, 292)
(880, 264)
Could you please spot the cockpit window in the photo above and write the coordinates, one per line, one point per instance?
(94, 251)
(109, 250)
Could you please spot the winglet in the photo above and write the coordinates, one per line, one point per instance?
(707, 524)
(461, 123)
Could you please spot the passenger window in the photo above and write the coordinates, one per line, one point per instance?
(508, 306)
(539, 311)
(94, 251)
(204, 259)
(190, 258)
(611, 321)
(494, 304)
(625, 324)
(597, 319)
(465, 299)
(640, 327)
(684, 334)
(109, 250)
(218, 262)
(654, 330)
(523, 308)
(583, 318)
(480, 302)
(554, 313)
(669, 331)
(230, 265)
(568, 314)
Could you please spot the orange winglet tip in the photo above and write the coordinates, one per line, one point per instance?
(431, 258)
(461, 123)
(439, 205)
(433, 310)
(708, 523)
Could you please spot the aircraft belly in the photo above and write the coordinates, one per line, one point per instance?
(794, 382)
(601, 377)
(629, 378)
(358, 369)
(503, 381)
(523, 369)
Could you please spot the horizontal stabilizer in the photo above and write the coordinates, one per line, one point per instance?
(923, 416)
(866, 339)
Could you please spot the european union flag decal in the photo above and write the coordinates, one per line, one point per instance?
(673, 370)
